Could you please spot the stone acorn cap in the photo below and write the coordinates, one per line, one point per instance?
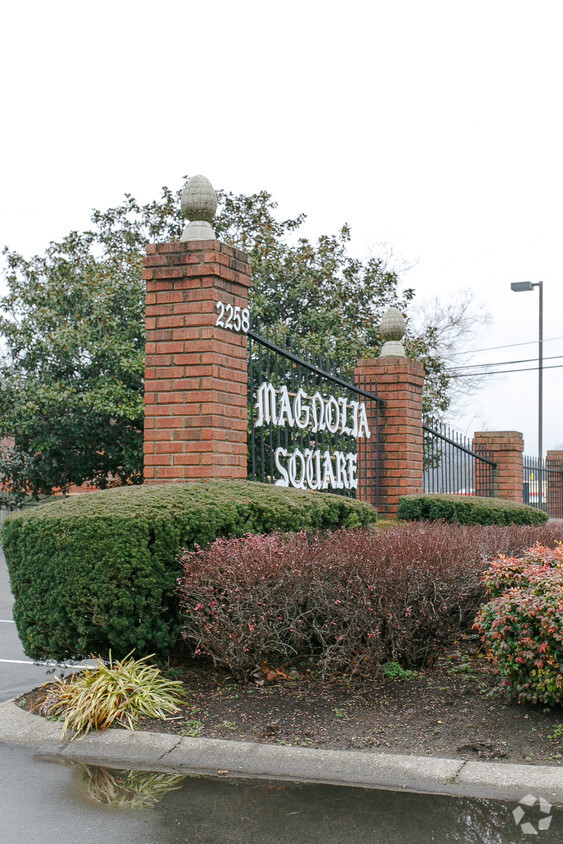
(199, 203)
(393, 329)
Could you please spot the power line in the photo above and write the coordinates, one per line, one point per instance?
(502, 371)
(507, 346)
(505, 362)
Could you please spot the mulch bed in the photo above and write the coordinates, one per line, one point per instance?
(450, 709)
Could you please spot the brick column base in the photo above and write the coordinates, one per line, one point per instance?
(506, 448)
(554, 466)
(196, 370)
(400, 381)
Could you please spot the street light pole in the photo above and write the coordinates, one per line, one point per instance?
(518, 287)
(540, 375)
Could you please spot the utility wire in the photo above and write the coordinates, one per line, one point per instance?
(502, 371)
(504, 362)
(507, 346)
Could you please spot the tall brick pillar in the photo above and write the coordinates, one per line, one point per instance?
(506, 448)
(196, 369)
(400, 382)
(554, 466)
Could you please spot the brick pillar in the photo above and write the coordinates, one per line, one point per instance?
(554, 466)
(506, 448)
(196, 371)
(400, 381)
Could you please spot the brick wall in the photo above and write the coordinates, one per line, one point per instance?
(196, 371)
(400, 381)
(507, 448)
(554, 496)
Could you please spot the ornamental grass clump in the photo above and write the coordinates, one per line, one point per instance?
(522, 626)
(119, 692)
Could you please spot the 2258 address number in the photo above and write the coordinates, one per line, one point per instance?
(232, 318)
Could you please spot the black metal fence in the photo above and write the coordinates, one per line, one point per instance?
(453, 465)
(310, 425)
(543, 485)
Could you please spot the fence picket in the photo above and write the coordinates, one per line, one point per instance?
(452, 465)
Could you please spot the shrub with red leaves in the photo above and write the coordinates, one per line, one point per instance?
(352, 599)
(505, 572)
(244, 600)
(522, 625)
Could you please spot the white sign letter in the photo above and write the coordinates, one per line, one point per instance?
(298, 409)
(266, 405)
(284, 480)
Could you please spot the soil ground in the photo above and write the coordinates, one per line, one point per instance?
(451, 709)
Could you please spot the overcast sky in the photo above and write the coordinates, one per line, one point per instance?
(433, 127)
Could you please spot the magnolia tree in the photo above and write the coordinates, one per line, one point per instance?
(72, 328)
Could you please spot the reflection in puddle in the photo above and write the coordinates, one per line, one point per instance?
(239, 811)
(137, 789)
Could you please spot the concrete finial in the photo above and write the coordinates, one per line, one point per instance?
(393, 329)
(199, 203)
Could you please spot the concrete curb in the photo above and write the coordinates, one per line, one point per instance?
(120, 748)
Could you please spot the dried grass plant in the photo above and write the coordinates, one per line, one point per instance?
(118, 692)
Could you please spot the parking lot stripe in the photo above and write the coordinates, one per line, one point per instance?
(52, 663)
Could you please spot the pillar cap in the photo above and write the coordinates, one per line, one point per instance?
(199, 204)
(393, 329)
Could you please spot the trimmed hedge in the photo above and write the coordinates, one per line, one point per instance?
(467, 510)
(99, 571)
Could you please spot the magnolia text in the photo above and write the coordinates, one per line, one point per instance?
(336, 415)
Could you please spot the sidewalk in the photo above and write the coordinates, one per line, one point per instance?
(119, 748)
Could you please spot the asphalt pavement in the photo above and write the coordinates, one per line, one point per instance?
(49, 803)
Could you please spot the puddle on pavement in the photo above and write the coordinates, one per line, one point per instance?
(57, 800)
(189, 808)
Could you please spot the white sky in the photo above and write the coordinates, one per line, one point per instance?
(435, 127)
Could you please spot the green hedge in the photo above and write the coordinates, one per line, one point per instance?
(467, 510)
(99, 571)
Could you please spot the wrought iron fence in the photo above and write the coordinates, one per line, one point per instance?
(452, 464)
(543, 485)
(310, 425)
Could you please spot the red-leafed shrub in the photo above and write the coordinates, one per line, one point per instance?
(505, 572)
(522, 625)
(351, 598)
(244, 600)
(523, 629)
(541, 555)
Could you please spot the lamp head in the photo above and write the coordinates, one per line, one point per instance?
(518, 286)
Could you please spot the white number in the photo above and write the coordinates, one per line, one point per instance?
(237, 318)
